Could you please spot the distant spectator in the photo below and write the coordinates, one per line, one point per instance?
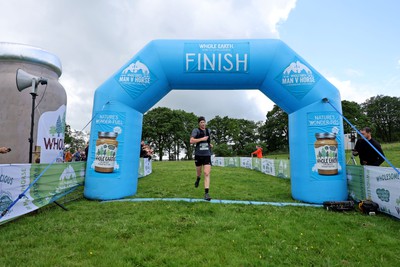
(142, 151)
(77, 155)
(145, 150)
(68, 156)
(258, 152)
(83, 156)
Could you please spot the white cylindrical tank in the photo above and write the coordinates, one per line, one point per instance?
(16, 106)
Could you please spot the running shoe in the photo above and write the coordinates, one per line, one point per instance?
(196, 184)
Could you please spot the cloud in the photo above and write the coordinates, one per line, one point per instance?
(354, 73)
(359, 89)
(350, 91)
(240, 104)
(94, 38)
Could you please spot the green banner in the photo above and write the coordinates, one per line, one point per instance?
(58, 180)
(356, 182)
(232, 162)
(256, 164)
(20, 195)
(282, 168)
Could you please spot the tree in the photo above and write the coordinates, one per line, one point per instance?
(244, 132)
(158, 129)
(384, 114)
(169, 131)
(275, 130)
(231, 136)
(221, 136)
(353, 112)
(220, 130)
(223, 150)
(70, 141)
(184, 123)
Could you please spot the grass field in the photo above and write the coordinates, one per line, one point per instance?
(160, 233)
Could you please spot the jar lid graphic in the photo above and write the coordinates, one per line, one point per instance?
(108, 134)
(22, 52)
(325, 135)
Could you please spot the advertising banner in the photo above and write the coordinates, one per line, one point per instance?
(217, 161)
(231, 162)
(382, 186)
(267, 166)
(324, 144)
(145, 167)
(356, 182)
(282, 168)
(108, 145)
(136, 77)
(279, 168)
(246, 163)
(14, 179)
(256, 164)
(50, 136)
(297, 78)
(57, 181)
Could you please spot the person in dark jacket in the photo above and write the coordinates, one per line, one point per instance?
(367, 154)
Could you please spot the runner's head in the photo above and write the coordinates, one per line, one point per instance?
(202, 122)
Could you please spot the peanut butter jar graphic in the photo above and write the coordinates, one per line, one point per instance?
(326, 153)
(106, 152)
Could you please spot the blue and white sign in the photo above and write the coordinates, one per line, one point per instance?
(135, 78)
(217, 57)
(297, 78)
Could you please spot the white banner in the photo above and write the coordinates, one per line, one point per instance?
(217, 161)
(147, 167)
(50, 136)
(268, 166)
(245, 163)
(382, 186)
(14, 179)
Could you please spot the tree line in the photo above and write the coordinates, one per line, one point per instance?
(168, 131)
(381, 113)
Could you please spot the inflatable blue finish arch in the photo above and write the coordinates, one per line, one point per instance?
(317, 158)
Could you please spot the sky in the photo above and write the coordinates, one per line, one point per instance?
(354, 44)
